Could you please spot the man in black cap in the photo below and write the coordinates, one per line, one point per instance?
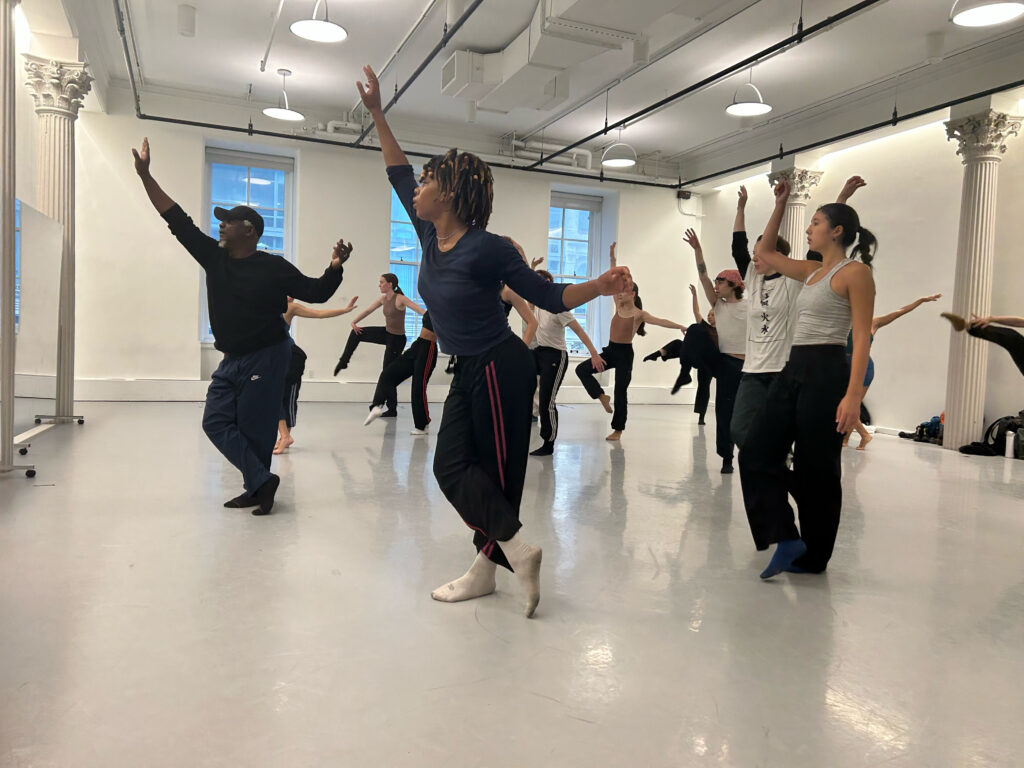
(248, 293)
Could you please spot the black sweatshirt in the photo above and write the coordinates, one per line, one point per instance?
(247, 296)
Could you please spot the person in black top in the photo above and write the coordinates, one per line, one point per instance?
(484, 439)
(248, 292)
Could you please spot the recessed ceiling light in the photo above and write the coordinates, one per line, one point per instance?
(284, 112)
(984, 13)
(319, 30)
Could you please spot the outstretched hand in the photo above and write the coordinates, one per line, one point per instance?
(742, 195)
(352, 304)
(693, 290)
(782, 191)
(339, 256)
(534, 263)
(615, 280)
(933, 297)
(142, 158)
(370, 93)
(978, 321)
(852, 185)
(690, 236)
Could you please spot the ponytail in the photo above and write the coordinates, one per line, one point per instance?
(639, 304)
(866, 246)
(842, 215)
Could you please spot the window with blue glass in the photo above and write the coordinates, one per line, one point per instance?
(573, 235)
(262, 182)
(404, 261)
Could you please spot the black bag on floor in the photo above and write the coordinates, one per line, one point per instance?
(865, 414)
(995, 435)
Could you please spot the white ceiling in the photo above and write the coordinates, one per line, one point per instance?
(850, 68)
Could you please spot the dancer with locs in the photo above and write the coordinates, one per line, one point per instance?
(248, 292)
(296, 367)
(552, 360)
(483, 443)
(628, 321)
(417, 361)
(726, 296)
(815, 400)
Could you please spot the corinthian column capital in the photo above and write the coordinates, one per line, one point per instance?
(57, 86)
(982, 136)
(800, 181)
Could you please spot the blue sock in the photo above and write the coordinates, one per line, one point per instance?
(782, 560)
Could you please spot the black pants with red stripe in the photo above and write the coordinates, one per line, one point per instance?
(551, 365)
(484, 441)
(417, 361)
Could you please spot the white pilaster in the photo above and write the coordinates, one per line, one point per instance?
(7, 85)
(58, 88)
(794, 222)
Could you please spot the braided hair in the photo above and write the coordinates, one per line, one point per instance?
(468, 181)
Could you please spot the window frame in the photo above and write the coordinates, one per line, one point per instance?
(595, 206)
(17, 265)
(250, 160)
(413, 320)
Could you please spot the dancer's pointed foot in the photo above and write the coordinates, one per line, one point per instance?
(283, 444)
(605, 401)
(682, 380)
(957, 322)
(782, 560)
(375, 413)
(864, 442)
(476, 582)
(342, 365)
(615, 435)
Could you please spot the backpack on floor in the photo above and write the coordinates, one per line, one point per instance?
(995, 435)
(929, 431)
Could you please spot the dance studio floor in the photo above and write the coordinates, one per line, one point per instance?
(141, 624)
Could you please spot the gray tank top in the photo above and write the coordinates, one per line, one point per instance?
(394, 316)
(822, 315)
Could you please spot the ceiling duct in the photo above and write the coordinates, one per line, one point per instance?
(532, 70)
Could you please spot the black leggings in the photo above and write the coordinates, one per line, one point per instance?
(484, 441)
(551, 365)
(619, 357)
(393, 345)
(675, 349)
(1009, 340)
(417, 361)
(728, 370)
(800, 411)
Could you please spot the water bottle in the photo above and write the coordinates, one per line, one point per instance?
(1008, 452)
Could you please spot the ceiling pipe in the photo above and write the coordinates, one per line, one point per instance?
(127, 57)
(448, 35)
(538, 148)
(800, 35)
(635, 69)
(401, 46)
(896, 119)
(270, 42)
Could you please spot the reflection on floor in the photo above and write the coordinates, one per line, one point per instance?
(145, 625)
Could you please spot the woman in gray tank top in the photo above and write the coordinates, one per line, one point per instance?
(816, 398)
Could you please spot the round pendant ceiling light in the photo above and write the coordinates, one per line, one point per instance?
(748, 107)
(284, 112)
(619, 155)
(319, 30)
(984, 13)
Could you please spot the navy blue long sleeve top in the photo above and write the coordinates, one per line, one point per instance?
(462, 287)
(247, 297)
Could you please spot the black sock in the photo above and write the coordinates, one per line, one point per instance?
(241, 502)
(265, 495)
(342, 365)
(546, 449)
(653, 356)
(682, 380)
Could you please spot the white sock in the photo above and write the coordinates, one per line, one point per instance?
(476, 582)
(525, 561)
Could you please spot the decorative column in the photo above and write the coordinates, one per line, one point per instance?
(982, 141)
(58, 88)
(7, 85)
(794, 222)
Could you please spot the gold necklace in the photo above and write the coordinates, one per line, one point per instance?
(449, 237)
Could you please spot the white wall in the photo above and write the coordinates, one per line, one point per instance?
(912, 204)
(138, 291)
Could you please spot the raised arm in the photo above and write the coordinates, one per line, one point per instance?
(160, 199)
(797, 269)
(702, 271)
(697, 316)
(650, 319)
(301, 310)
(405, 301)
(370, 94)
(1010, 320)
(740, 246)
(861, 293)
(739, 224)
(884, 320)
(595, 356)
(852, 185)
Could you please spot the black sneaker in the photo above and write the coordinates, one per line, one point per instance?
(727, 466)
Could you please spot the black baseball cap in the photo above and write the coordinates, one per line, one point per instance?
(240, 213)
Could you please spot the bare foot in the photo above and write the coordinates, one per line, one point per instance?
(606, 402)
(614, 435)
(283, 444)
(864, 442)
(846, 441)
